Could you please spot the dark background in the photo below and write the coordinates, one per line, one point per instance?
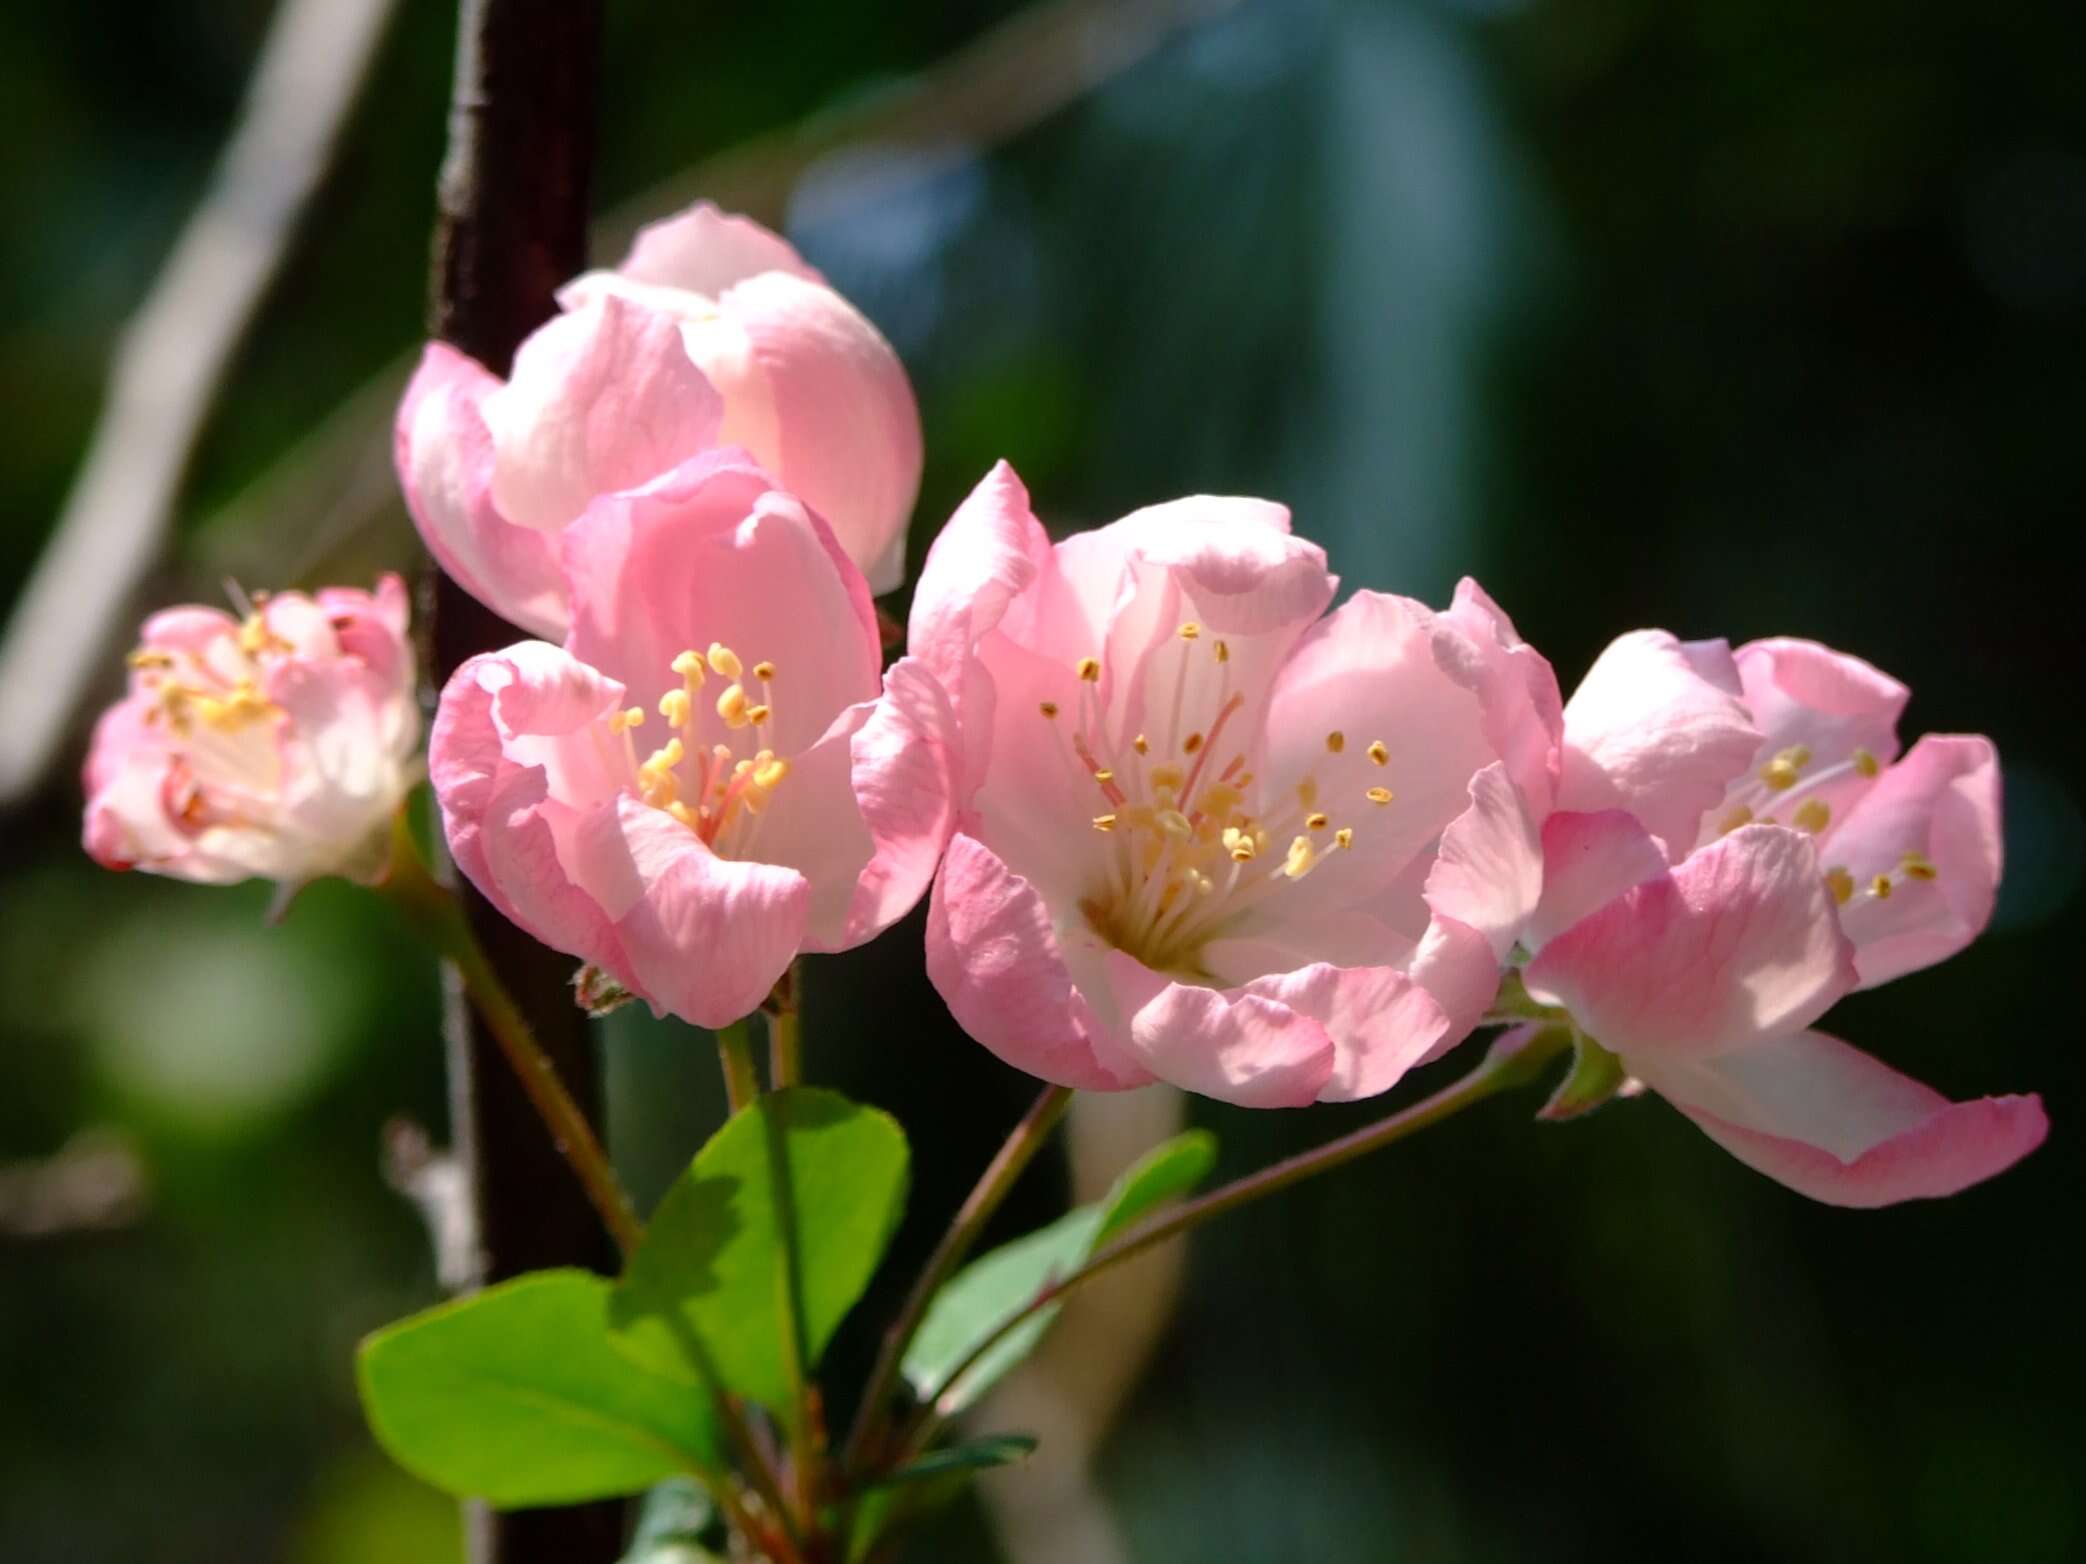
(1736, 317)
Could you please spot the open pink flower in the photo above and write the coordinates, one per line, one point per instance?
(1199, 809)
(277, 746)
(709, 777)
(810, 387)
(1739, 844)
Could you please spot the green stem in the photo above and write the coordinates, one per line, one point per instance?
(436, 913)
(785, 1049)
(735, 1053)
(1022, 1143)
(1507, 1064)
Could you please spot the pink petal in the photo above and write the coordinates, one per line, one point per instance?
(1657, 728)
(990, 552)
(1588, 861)
(1737, 944)
(1488, 870)
(706, 937)
(994, 958)
(1800, 692)
(1381, 1022)
(601, 399)
(1367, 671)
(714, 552)
(1241, 1048)
(1241, 569)
(1477, 644)
(1835, 1124)
(444, 455)
(845, 429)
(904, 779)
(1942, 803)
(705, 250)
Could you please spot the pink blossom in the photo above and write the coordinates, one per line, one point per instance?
(276, 746)
(810, 387)
(1737, 844)
(709, 777)
(1199, 810)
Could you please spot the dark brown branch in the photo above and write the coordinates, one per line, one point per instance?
(512, 225)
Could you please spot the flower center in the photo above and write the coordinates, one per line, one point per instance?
(1195, 841)
(1788, 782)
(710, 788)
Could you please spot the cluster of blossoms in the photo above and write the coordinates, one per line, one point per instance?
(1184, 820)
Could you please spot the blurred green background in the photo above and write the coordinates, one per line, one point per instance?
(1738, 317)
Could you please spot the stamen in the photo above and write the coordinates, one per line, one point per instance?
(689, 665)
(1378, 795)
(1918, 866)
(764, 671)
(1880, 887)
(1090, 669)
(1048, 708)
(1336, 741)
(1191, 743)
(1781, 772)
(1841, 884)
(1104, 822)
(1344, 837)
(1104, 776)
(674, 706)
(1379, 753)
(1316, 822)
(732, 704)
(1190, 630)
(1141, 744)
(758, 714)
(723, 660)
(1223, 650)
(1865, 763)
(1812, 815)
(1734, 817)
(1302, 855)
(623, 721)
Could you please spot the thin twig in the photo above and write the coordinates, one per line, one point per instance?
(170, 364)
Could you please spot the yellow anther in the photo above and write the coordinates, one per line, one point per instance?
(666, 756)
(1378, 795)
(150, 657)
(1168, 777)
(1344, 837)
(1301, 856)
(1104, 822)
(689, 665)
(1812, 815)
(723, 660)
(1191, 743)
(1090, 669)
(1316, 822)
(1841, 884)
(1190, 630)
(684, 814)
(768, 774)
(1865, 763)
(1379, 753)
(1219, 799)
(1307, 791)
(759, 714)
(1336, 741)
(1880, 887)
(1048, 708)
(623, 721)
(253, 635)
(674, 707)
(1918, 866)
(732, 704)
(1223, 650)
(1734, 817)
(1104, 775)
(1141, 744)
(1175, 824)
(1779, 774)
(1242, 849)
(764, 671)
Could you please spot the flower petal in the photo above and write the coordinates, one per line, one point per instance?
(1736, 944)
(1657, 727)
(1939, 804)
(1588, 861)
(1381, 1022)
(707, 938)
(1839, 1126)
(904, 778)
(602, 398)
(705, 250)
(1241, 1048)
(1488, 870)
(1477, 644)
(444, 454)
(994, 958)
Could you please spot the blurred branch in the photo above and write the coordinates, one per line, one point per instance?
(1005, 82)
(434, 1181)
(94, 1184)
(169, 366)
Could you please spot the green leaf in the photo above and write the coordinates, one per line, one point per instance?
(800, 1173)
(914, 1491)
(671, 1524)
(982, 1295)
(515, 1395)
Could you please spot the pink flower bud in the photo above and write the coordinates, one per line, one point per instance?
(278, 746)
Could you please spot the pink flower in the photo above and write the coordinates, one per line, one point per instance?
(276, 746)
(810, 387)
(708, 778)
(1199, 810)
(1738, 844)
